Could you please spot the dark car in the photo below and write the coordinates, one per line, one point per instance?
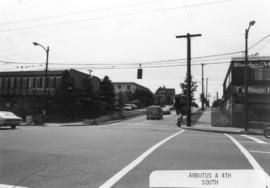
(154, 112)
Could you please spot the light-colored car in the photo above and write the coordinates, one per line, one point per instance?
(9, 119)
(166, 110)
(130, 106)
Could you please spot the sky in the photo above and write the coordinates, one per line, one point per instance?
(113, 37)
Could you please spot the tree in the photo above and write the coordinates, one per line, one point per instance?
(67, 97)
(184, 87)
(145, 96)
(107, 94)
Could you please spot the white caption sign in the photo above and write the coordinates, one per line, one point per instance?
(207, 178)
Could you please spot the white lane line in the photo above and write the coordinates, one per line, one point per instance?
(114, 179)
(265, 177)
(254, 139)
(10, 186)
(263, 152)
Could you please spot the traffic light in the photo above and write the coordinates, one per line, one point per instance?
(139, 73)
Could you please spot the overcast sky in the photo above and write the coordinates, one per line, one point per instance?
(89, 34)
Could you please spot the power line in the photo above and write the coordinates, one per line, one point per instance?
(119, 15)
(258, 42)
(176, 60)
(78, 13)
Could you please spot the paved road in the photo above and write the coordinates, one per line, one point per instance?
(83, 156)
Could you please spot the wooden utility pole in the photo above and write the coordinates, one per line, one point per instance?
(202, 96)
(188, 36)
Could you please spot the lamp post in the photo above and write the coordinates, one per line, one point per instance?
(251, 23)
(46, 76)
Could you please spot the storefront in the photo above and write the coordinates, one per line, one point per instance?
(258, 83)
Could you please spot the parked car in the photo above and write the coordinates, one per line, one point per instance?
(166, 110)
(9, 119)
(154, 112)
(130, 107)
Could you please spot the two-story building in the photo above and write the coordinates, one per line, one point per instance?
(258, 100)
(127, 89)
(164, 95)
(23, 91)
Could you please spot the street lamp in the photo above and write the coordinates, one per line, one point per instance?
(251, 23)
(46, 76)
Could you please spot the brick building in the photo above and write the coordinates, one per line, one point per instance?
(258, 74)
(23, 92)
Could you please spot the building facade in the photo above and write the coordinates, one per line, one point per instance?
(258, 100)
(164, 96)
(23, 92)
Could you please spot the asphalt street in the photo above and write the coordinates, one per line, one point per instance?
(121, 154)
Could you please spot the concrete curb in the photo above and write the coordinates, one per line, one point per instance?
(221, 131)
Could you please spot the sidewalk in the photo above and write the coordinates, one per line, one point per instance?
(204, 124)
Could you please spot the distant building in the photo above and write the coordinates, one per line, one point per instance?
(258, 74)
(164, 95)
(127, 89)
(23, 92)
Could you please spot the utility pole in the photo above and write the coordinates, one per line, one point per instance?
(46, 76)
(206, 92)
(90, 72)
(202, 96)
(188, 36)
(251, 23)
(46, 81)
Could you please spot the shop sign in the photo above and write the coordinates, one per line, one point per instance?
(252, 64)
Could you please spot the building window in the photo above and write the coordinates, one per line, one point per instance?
(18, 82)
(6, 82)
(128, 87)
(12, 82)
(1, 82)
(31, 82)
(262, 73)
(24, 82)
(51, 83)
(119, 86)
(37, 82)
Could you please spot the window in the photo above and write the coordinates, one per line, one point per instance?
(1, 82)
(58, 81)
(128, 87)
(18, 82)
(12, 82)
(31, 82)
(119, 86)
(24, 82)
(6, 82)
(37, 82)
(51, 83)
(262, 73)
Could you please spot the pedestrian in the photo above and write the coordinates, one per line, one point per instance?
(180, 120)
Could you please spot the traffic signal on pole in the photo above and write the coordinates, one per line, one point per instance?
(139, 73)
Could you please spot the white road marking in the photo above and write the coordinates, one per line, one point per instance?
(264, 176)
(254, 139)
(114, 179)
(264, 152)
(10, 186)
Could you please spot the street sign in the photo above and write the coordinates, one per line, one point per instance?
(208, 178)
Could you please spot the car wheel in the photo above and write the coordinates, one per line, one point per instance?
(13, 126)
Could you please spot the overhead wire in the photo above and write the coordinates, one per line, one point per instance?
(119, 15)
(78, 13)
